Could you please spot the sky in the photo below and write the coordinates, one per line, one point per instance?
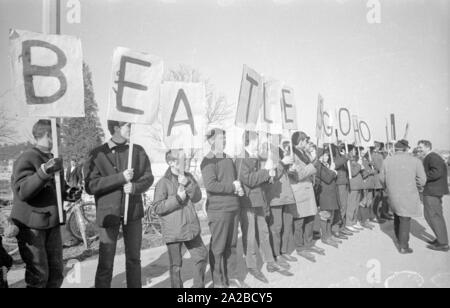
(400, 65)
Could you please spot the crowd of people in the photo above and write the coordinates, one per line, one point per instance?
(339, 189)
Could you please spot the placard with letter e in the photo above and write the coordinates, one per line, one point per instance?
(135, 86)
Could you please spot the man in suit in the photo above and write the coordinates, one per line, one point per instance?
(109, 180)
(435, 188)
(403, 175)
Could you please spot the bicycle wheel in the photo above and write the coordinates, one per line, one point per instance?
(150, 223)
(88, 217)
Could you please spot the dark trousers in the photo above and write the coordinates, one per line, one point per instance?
(339, 219)
(42, 253)
(132, 236)
(282, 229)
(402, 227)
(255, 236)
(223, 246)
(3, 283)
(434, 216)
(199, 255)
(303, 232)
(380, 205)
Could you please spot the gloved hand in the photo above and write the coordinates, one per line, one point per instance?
(53, 165)
(74, 194)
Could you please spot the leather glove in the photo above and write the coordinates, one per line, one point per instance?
(53, 165)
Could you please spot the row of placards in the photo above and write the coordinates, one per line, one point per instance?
(48, 79)
(47, 74)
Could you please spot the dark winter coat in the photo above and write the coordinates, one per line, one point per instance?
(327, 193)
(179, 221)
(436, 170)
(104, 179)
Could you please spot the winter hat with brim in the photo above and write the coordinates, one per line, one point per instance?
(402, 144)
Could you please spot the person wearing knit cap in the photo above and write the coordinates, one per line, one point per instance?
(402, 175)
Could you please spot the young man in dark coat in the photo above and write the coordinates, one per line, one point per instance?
(342, 183)
(222, 207)
(35, 210)
(327, 196)
(5, 265)
(175, 195)
(435, 188)
(255, 208)
(109, 180)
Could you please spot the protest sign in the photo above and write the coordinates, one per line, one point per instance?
(365, 134)
(319, 120)
(328, 126)
(136, 81)
(345, 126)
(251, 98)
(393, 131)
(288, 108)
(47, 74)
(270, 117)
(183, 111)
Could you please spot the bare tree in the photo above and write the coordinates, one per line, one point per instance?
(218, 111)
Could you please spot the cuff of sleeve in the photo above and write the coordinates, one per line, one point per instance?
(133, 189)
(44, 176)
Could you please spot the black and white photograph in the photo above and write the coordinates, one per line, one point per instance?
(224, 144)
